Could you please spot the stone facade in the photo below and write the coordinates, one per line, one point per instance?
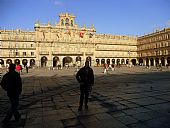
(65, 43)
(154, 48)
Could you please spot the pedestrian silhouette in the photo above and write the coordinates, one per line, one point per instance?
(12, 84)
(85, 77)
(27, 68)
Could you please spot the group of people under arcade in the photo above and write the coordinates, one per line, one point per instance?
(19, 68)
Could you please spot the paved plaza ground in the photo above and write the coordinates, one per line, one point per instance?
(134, 97)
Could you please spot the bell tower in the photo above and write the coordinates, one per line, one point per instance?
(66, 19)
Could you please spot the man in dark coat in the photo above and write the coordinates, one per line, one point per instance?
(11, 82)
(26, 68)
(85, 77)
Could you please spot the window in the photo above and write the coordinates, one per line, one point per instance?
(24, 53)
(62, 22)
(67, 22)
(32, 53)
(31, 45)
(17, 53)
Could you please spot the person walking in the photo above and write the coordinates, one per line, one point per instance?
(85, 77)
(26, 68)
(12, 83)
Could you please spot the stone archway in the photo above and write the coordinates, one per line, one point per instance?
(147, 62)
(118, 61)
(24, 62)
(78, 61)
(67, 60)
(108, 61)
(32, 62)
(163, 61)
(1, 62)
(89, 59)
(127, 61)
(123, 61)
(140, 61)
(113, 61)
(55, 60)
(43, 61)
(98, 62)
(157, 61)
(152, 62)
(102, 61)
(8, 61)
(133, 61)
(17, 61)
(168, 61)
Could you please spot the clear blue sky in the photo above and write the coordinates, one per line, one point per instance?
(124, 17)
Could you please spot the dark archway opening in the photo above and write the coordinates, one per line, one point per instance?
(17, 61)
(67, 61)
(98, 62)
(152, 62)
(133, 61)
(108, 61)
(118, 61)
(89, 59)
(157, 61)
(44, 61)
(24, 62)
(32, 62)
(9, 61)
(113, 61)
(147, 62)
(140, 61)
(127, 61)
(78, 61)
(55, 60)
(123, 61)
(163, 61)
(168, 61)
(1, 61)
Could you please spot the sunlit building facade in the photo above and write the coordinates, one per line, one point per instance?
(67, 43)
(154, 49)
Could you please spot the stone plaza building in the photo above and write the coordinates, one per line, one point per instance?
(154, 48)
(65, 43)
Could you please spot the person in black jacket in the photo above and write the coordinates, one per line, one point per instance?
(11, 82)
(85, 77)
(26, 68)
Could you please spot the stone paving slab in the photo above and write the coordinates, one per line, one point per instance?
(125, 98)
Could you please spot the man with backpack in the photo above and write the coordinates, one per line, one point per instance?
(85, 77)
